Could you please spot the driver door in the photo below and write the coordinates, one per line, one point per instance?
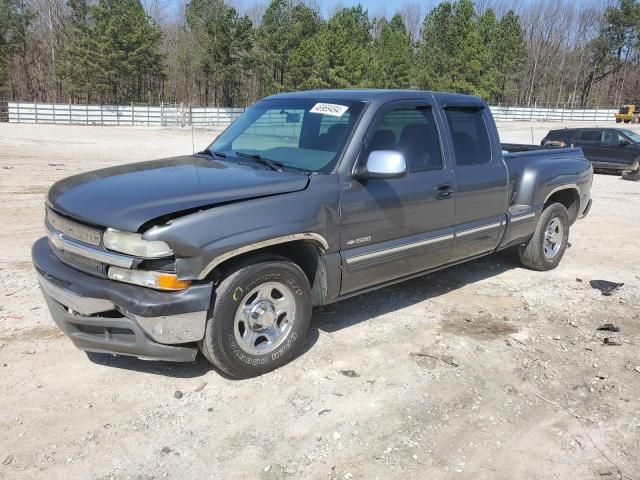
(617, 150)
(392, 228)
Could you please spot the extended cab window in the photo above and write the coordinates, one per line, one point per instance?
(300, 133)
(469, 134)
(590, 135)
(412, 132)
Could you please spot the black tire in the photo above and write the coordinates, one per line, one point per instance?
(532, 255)
(221, 345)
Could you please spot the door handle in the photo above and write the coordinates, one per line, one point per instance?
(444, 190)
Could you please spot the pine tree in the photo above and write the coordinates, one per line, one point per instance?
(15, 19)
(111, 49)
(285, 25)
(452, 54)
(468, 73)
(434, 53)
(224, 40)
(309, 64)
(508, 55)
(77, 64)
(348, 43)
(392, 56)
(128, 52)
(488, 31)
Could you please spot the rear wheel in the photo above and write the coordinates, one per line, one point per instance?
(260, 317)
(546, 247)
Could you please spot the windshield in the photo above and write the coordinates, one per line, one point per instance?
(633, 136)
(304, 134)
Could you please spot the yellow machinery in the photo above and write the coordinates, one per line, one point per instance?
(629, 112)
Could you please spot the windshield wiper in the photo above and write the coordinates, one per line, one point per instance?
(272, 164)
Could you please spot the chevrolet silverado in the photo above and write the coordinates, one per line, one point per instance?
(308, 198)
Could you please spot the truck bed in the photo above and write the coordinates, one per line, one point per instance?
(519, 152)
(523, 147)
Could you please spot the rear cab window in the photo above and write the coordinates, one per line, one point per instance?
(469, 135)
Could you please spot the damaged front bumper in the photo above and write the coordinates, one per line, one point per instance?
(101, 315)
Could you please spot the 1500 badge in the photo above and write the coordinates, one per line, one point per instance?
(357, 241)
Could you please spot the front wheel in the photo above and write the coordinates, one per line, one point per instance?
(260, 317)
(546, 247)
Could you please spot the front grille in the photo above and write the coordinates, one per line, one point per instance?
(85, 264)
(75, 230)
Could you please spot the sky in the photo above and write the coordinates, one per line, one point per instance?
(375, 7)
(327, 7)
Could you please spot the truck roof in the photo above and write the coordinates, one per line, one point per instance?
(378, 94)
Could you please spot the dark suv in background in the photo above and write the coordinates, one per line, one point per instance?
(608, 149)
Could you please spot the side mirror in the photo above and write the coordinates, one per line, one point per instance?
(624, 143)
(384, 164)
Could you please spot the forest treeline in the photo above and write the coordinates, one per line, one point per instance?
(211, 52)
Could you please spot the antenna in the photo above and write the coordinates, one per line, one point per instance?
(193, 145)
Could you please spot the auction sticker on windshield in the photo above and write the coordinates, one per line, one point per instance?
(329, 109)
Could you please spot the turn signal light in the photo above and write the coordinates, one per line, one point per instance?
(171, 282)
(146, 278)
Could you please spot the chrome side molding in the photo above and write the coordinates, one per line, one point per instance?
(400, 248)
(522, 217)
(482, 228)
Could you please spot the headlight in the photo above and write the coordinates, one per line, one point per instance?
(133, 244)
(145, 278)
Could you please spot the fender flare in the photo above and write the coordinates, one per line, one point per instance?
(559, 188)
(318, 239)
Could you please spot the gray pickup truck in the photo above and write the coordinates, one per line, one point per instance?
(308, 198)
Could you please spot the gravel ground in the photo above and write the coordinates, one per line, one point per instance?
(483, 371)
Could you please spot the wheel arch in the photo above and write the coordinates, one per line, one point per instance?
(304, 250)
(567, 195)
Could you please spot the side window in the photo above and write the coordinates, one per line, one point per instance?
(612, 137)
(590, 135)
(470, 137)
(412, 132)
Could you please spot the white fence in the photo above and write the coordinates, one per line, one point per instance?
(163, 115)
(181, 115)
(535, 114)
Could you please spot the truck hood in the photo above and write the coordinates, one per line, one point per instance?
(128, 196)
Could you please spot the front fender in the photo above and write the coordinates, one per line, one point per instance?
(204, 239)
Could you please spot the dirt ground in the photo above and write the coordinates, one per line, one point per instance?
(525, 388)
